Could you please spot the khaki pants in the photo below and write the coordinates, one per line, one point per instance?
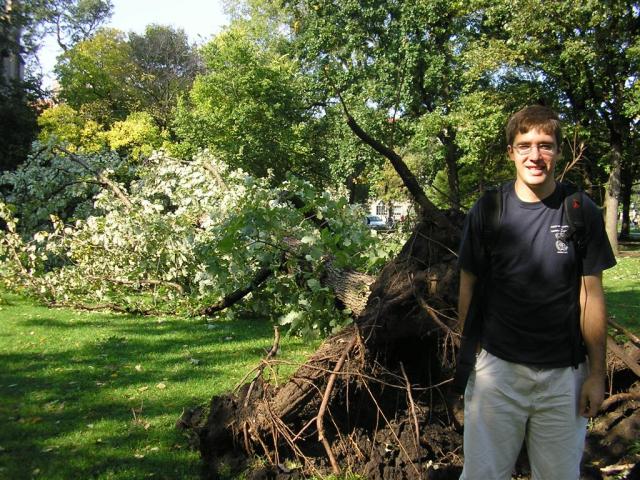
(508, 403)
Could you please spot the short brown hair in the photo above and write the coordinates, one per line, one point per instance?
(534, 117)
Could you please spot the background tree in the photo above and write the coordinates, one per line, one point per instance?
(23, 25)
(17, 121)
(72, 21)
(166, 67)
(17, 116)
(249, 108)
(96, 77)
(402, 69)
(136, 137)
(63, 124)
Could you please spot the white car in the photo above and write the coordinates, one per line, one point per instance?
(376, 222)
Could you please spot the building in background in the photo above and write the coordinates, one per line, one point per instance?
(391, 211)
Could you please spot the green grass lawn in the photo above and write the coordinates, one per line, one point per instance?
(96, 395)
(622, 290)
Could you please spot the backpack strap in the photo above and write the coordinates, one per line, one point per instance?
(573, 205)
(574, 211)
(491, 211)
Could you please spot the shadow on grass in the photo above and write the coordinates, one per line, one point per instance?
(97, 395)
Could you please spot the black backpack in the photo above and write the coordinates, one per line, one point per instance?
(491, 212)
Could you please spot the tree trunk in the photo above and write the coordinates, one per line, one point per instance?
(612, 197)
(451, 159)
(627, 184)
(350, 288)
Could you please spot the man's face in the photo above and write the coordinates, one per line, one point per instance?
(534, 154)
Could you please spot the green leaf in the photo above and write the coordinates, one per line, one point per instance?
(290, 318)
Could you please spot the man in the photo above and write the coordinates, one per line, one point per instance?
(531, 381)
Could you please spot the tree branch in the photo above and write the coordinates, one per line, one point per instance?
(325, 401)
(234, 297)
(629, 334)
(216, 174)
(152, 282)
(103, 179)
(429, 210)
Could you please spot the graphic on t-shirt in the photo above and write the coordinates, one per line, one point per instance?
(559, 231)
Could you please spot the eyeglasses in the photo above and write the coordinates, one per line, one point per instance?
(543, 148)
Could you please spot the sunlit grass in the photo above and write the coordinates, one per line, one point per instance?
(97, 395)
(622, 290)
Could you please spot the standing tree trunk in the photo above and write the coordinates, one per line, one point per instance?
(627, 186)
(612, 196)
(451, 159)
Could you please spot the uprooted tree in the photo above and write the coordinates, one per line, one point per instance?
(373, 398)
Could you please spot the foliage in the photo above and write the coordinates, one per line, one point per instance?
(97, 395)
(133, 138)
(96, 77)
(433, 80)
(111, 78)
(167, 65)
(70, 21)
(190, 234)
(580, 58)
(75, 20)
(62, 123)
(403, 70)
(248, 107)
(50, 182)
(136, 137)
(446, 69)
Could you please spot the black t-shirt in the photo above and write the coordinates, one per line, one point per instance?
(529, 300)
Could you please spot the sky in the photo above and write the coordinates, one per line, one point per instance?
(200, 19)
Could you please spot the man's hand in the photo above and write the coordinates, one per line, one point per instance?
(591, 395)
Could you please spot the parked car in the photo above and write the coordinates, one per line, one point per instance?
(376, 222)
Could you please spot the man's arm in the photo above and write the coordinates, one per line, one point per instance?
(593, 323)
(467, 284)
